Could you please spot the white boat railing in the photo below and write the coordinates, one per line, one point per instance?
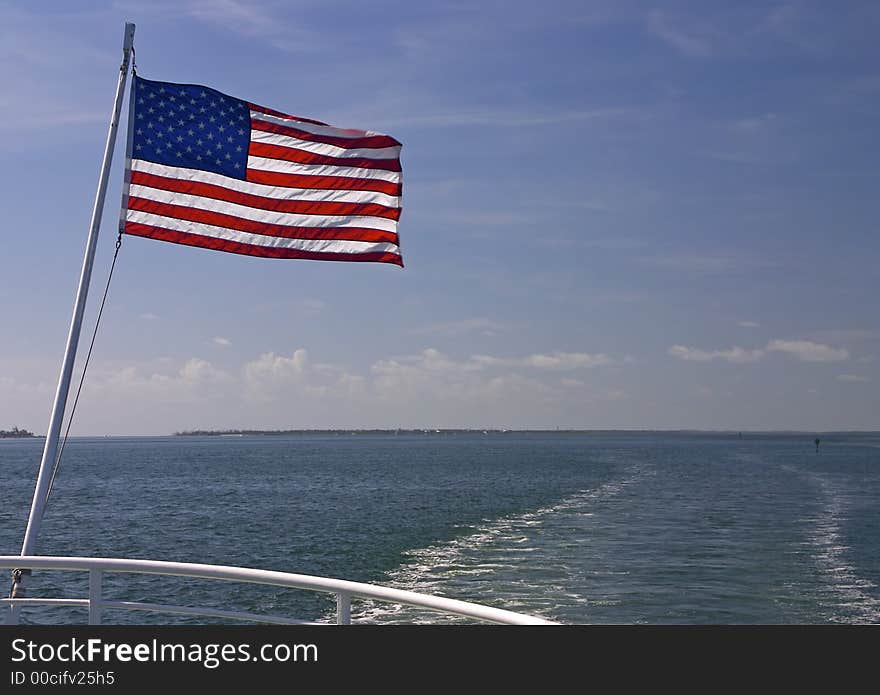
(344, 590)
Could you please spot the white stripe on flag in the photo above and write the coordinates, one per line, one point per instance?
(313, 128)
(285, 167)
(277, 192)
(259, 215)
(316, 245)
(323, 148)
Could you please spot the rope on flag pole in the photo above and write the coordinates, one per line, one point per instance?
(82, 377)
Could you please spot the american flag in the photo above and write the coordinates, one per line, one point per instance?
(206, 169)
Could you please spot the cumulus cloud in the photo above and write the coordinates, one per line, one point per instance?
(560, 361)
(486, 389)
(278, 390)
(808, 351)
(278, 366)
(283, 379)
(735, 354)
(136, 398)
(221, 341)
(456, 385)
(198, 371)
(804, 350)
(270, 375)
(432, 360)
(195, 374)
(853, 378)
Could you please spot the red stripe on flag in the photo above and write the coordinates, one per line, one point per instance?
(289, 154)
(333, 183)
(176, 237)
(348, 143)
(241, 224)
(305, 207)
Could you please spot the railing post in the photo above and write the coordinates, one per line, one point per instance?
(343, 609)
(95, 580)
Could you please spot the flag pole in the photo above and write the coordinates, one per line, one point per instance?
(50, 448)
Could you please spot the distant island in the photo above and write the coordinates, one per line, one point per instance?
(737, 434)
(242, 433)
(401, 430)
(386, 431)
(15, 433)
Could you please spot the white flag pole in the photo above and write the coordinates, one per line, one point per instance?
(50, 449)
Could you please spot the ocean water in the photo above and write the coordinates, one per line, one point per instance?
(580, 528)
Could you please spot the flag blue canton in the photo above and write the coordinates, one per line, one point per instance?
(184, 125)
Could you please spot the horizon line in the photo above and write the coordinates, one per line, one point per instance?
(441, 430)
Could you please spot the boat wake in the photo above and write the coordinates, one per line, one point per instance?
(849, 597)
(527, 562)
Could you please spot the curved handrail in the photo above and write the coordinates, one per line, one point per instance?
(343, 588)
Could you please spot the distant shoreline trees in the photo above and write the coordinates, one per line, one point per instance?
(15, 433)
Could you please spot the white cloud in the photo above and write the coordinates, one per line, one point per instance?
(799, 26)
(568, 360)
(735, 354)
(148, 316)
(804, 350)
(433, 360)
(484, 326)
(298, 381)
(198, 371)
(754, 124)
(277, 390)
(853, 378)
(271, 374)
(12, 389)
(433, 382)
(808, 351)
(748, 324)
(194, 372)
(154, 386)
(684, 41)
(848, 335)
(556, 361)
(483, 389)
(221, 341)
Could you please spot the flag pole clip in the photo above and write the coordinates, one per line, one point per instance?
(17, 586)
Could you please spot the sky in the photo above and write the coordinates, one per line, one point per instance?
(616, 215)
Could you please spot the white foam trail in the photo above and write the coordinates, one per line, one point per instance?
(852, 593)
(501, 562)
